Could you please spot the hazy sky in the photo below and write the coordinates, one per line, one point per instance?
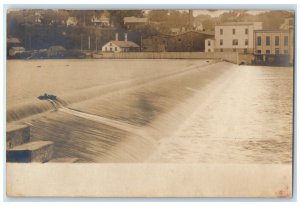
(216, 13)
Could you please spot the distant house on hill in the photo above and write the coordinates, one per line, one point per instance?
(72, 21)
(103, 20)
(175, 31)
(13, 41)
(120, 46)
(133, 22)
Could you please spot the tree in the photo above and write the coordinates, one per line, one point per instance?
(158, 15)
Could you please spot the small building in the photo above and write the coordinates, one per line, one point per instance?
(120, 46)
(235, 36)
(199, 27)
(38, 18)
(175, 31)
(209, 45)
(190, 41)
(287, 24)
(16, 50)
(56, 50)
(157, 43)
(72, 21)
(102, 21)
(133, 22)
(12, 42)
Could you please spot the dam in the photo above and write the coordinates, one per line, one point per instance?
(144, 110)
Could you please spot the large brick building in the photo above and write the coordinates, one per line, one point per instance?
(184, 42)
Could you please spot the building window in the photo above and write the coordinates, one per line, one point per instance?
(286, 40)
(221, 31)
(179, 39)
(286, 51)
(258, 51)
(276, 50)
(208, 50)
(259, 40)
(221, 50)
(208, 43)
(116, 49)
(235, 42)
(110, 49)
(221, 42)
(268, 40)
(245, 51)
(233, 31)
(110, 44)
(234, 49)
(268, 52)
(105, 48)
(246, 42)
(246, 31)
(276, 40)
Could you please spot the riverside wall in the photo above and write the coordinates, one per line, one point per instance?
(226, 56)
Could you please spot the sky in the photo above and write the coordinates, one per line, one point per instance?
(216, 13)
(212, 13)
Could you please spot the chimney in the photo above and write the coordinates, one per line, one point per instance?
(125, 36)
(117, 36)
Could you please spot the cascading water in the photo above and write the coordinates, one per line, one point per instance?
(121, 122)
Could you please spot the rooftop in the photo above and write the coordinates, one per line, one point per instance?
(125, 44)
(57, 48)
(13, 40)
(133, 19)
(198, 32)
(237, 23)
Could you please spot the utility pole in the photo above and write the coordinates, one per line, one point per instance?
(141, 43)
(96, 45)
(190, 19)
(81, 42)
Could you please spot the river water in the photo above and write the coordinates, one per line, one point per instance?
(155, 110)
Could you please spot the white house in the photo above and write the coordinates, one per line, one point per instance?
(235, 36)
(120, 46)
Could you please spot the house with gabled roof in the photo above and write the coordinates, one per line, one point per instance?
(120, 46)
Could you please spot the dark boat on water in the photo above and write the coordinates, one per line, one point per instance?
(47, 97)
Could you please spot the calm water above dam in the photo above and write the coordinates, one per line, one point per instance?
(155, 110)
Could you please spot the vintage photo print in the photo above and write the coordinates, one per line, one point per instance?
(149, 103)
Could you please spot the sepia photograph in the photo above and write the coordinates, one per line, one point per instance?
(153, 103)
